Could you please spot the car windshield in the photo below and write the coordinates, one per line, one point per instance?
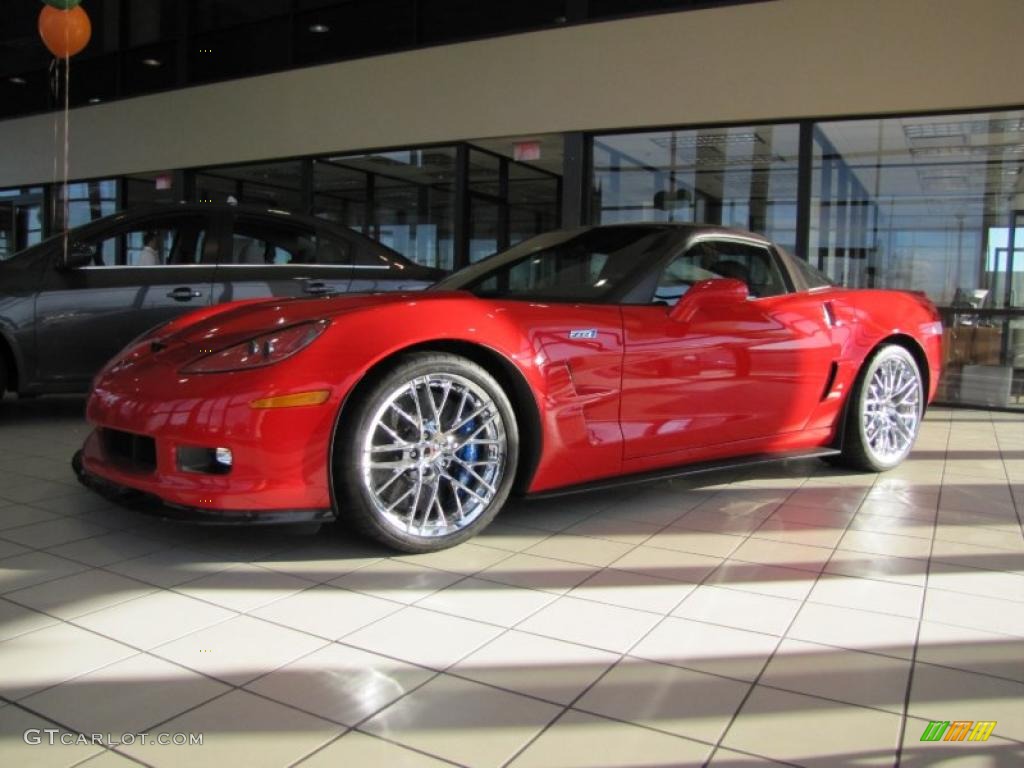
(590, 265)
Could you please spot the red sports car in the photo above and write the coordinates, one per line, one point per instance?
(576, 359)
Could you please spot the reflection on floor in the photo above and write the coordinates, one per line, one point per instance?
(795, 614)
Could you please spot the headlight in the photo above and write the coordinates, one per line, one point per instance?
(259, 351)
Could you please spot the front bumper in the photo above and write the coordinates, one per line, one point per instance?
(149, 503)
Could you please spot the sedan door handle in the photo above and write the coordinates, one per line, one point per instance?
(316, 287)
(184, 293)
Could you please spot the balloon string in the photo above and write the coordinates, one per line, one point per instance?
(67, 152)
(55, 90)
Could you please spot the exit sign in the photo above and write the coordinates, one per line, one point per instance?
(526, 150)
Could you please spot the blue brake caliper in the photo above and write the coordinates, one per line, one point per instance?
(466, 453)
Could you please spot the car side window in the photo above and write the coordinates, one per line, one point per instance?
(148, 244)
(752, 264)
(257, 242)
(682, 272)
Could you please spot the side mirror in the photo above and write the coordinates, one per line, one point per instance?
(78, 255)
(707, 293)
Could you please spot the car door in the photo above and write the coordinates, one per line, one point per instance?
(734, 372)
(269, 255)
(118, 283)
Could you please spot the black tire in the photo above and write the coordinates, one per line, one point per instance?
(3, 375)
(438, 462)
(858, 450)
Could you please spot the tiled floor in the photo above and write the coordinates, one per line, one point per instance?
(794, 614)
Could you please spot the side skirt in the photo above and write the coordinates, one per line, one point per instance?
(685, 471)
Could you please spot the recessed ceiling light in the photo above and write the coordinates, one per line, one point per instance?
(319, 29)
(17, 80)
(152, 62)
(95, 100)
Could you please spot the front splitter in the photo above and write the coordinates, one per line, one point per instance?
(149, 504)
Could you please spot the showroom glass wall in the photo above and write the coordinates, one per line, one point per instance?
(21, 219)
(932, 204)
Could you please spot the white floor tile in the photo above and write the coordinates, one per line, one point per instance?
(549, 669)
(48, 656)
(340, 683)
(268, 734)
(607, 627)
(707, 648)
(491, 725)
(423, 637)
(239, 650)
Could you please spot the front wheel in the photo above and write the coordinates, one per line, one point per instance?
(885, 414)
(429, 455)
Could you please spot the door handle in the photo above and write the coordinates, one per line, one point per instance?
(316, 288)
(184, 293)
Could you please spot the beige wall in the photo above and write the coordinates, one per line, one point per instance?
(780, 59)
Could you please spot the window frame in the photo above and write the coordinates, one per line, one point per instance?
(163, 221)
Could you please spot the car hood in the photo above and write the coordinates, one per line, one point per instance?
(246, 319)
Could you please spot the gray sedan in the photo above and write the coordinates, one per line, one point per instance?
(65, 312)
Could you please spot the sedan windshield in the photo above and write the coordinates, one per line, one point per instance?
(592, 265)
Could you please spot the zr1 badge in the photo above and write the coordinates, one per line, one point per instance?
(583, 333)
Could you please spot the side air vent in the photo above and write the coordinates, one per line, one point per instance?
(833, 369)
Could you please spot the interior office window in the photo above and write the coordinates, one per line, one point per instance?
(270, 185)
(21, 219)
(403, 199)
(742, 177)
(86, 201)
(533, 199)
(933, 204)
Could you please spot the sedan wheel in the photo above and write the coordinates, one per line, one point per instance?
(887, 411)
(433, 454)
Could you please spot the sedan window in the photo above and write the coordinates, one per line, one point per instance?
(257, 242)
(148, 244)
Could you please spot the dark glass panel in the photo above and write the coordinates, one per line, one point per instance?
(93, 79)
(442, 20)
(24, 93)
(150, 68)
(150, 21)
(208, 15)
(239, 52)
(604, 8)
(354, 29)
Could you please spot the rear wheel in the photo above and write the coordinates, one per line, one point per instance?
(885, 414)
(3, 375)
(429, 454)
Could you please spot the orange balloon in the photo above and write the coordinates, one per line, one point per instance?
(65, 33)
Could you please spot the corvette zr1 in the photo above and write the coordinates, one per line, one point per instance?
(576, 358)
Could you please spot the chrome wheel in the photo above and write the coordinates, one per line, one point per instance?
(434, 455)
(891, 412)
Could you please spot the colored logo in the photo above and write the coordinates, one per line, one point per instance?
(958, 730)
(583, 333)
